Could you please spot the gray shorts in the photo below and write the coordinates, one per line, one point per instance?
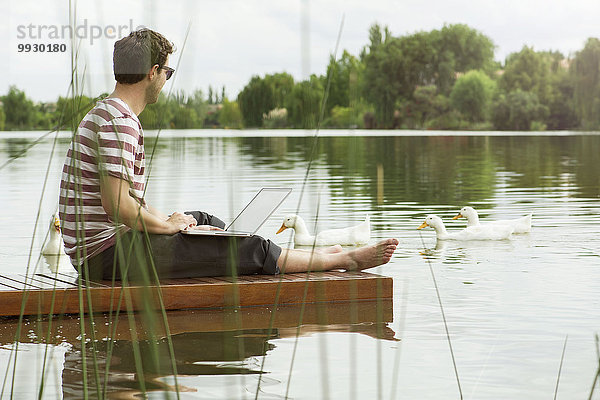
(138, 255)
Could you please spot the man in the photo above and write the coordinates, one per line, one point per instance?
(111, 232)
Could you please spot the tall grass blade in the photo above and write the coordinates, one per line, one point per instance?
(597, 377)
(395, 370)
(562, 357)
(437, 291)
(303, 187)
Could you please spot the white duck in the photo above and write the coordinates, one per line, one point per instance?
(479, 232)
(54, 245)
(358, 234)
(520, 225)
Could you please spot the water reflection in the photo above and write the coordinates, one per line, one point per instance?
(422, 169)
(128, 354)
(440, 169)
(54, 263)
(461, 252)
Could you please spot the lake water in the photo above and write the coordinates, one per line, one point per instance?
(509, 304)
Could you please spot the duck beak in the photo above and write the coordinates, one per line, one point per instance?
(457, 216)
(423, 225)
(283, 228)
(57, 225)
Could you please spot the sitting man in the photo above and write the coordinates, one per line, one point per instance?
(109, 230)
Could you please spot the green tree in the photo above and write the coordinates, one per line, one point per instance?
(43, 116)
(184, 117)
(281, 85)
(416, 112)
(559, 88)
(343, 117)
(210, 95)
(2, 118)
(230, 115)
(472, 95)
(18, 110)
(255, 100)
(183, 114)
(158, 115)
(528, 71)
(395, 67)
(304, 103)
(198, 104)
(561, 107)
(460, 48)
(381, 86)
(343, 75)
(545, 74)
(518, 111)
(586, 74)
(69, 111)
(426, 106)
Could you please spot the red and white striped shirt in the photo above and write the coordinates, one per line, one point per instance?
(110, 141)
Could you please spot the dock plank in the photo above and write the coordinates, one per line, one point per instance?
(17, 283)
(192, 293)
(74, 279)
(47, 282)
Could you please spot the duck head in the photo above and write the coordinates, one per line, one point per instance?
(433, 221)
(55, 222)
(288, 222)
(469, 213)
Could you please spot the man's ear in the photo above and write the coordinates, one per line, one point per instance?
(153, 72)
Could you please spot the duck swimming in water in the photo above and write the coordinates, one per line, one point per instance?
(479, 232)
(358, 234)
(519, 225)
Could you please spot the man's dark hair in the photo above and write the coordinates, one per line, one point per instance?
(135, 54)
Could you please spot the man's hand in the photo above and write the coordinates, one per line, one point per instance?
(181, 221)
(206, 228)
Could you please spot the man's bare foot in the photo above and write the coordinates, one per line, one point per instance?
(371, 256)
(332, 249)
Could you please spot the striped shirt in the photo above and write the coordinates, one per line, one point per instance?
(109, 141)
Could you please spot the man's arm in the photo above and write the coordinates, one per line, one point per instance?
(157, 213)
(120, 205)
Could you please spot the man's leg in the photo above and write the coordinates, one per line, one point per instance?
(296, 260)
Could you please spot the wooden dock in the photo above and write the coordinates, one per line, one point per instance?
(47, 293)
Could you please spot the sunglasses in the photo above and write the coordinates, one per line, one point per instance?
(168, 71)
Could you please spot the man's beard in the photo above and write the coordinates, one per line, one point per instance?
(152, 94)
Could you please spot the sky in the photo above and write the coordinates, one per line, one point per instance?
(229, 41)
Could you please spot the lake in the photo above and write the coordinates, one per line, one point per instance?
(509, 304)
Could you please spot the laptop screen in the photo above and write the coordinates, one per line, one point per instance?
(258, 210)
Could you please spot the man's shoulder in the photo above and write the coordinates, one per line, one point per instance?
(112, 109)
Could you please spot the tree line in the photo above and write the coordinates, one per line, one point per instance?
(177, 111)
(441, 79)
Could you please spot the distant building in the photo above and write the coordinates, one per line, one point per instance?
(213, 108)
(46, 107)
(565, 63)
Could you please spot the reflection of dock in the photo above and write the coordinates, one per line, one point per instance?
(43, 294)
(365, 317)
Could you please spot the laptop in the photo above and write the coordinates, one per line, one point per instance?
(252, 217)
